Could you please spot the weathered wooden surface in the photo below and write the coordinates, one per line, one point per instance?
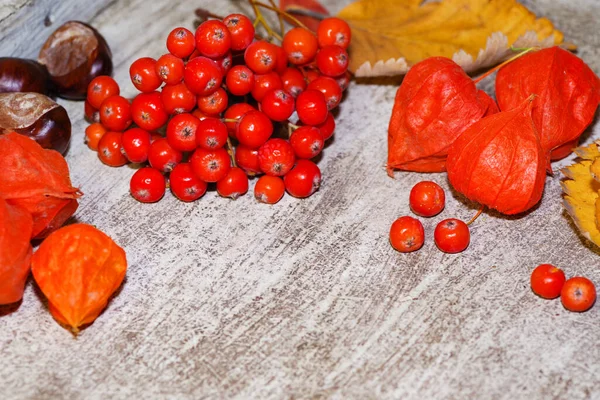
(306, 299)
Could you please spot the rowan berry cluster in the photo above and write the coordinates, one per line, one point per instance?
(222, 106)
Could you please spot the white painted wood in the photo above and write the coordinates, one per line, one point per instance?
(306, 299)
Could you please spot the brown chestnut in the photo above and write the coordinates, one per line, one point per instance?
(74, 54)
(21, 75)
(36, 116)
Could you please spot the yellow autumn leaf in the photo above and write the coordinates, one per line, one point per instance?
(390, 35)
(581, 189)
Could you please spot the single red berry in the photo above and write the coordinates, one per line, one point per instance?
(330, 89)
(269, 189)
(213, 39)
(254, 129)
(115, 113)
(276, 157)
(334, 31)
(247, 159)
(109, 149)
(101, 88)
(182, 131)
(300, 45)
(147, 185)
(264, 83)
(328, 127)
(210, 165)
(240, 80)
(343, 80)
(332, 60)
(278, 105)
(307, 142)
(143, 75)
(215, 103)
(578, 294)
(310, 75)
(170, 69)
(136, 144)
(202, 76)
(233, 114)
(212, 134)
(293, 81)
(407, 234)
(547, 281)
(91, 114)
(234, 185)
(452, 235)
(224, 63)
(148, 111)
(303, 180)
(177, 98)
(181, 42)
(427, 199)
(261, 57)
(200, 115)
(282, 60)
(93, 134)
(184, 184)
(162, 156)
(311, 107)
(241, 30)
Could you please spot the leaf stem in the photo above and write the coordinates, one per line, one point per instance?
(513, 58)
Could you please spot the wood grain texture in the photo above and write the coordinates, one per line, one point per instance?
(306, 298)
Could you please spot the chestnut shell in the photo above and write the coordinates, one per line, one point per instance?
(74, 54)
(22, 75)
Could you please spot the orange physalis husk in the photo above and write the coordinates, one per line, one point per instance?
(567, 95)
(15, 251)
(36, 179)
(78, 268)
(492, 106)
(436, 102)
(499, 161)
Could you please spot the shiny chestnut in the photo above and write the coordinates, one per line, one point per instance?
(21, 75)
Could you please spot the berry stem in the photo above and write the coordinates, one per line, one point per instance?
(476, 215)
(260, 19)
(281, 24)
(513, 58)
(295, 20)
(231, 152)
(231, 120)
(291, 128)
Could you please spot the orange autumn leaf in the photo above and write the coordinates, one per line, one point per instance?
(389, 36)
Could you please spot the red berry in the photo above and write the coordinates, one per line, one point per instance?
(181, 42)
(300, 46)
(170, 69)
(143, 75)
(202, 76)
(162, 156)
(269, 189)
(213, 39)
(261, 57)
(184, 184)
(109, 149)
(311, 107)
(293, 81)
(115, 113)
(334, 31)
(427, 199)
(452, 235)
(282, 60)
(332, 60)
(241, 30)
(234, 185)
(93, 134)
(224, 63)
(177, 98)
(254, 129)
(328, 127)
(307, 142)
(240, 80)
(343, 80)
(278, 105)
(276, 157)
(407, 234)
(547, 281)
(147, 185)
(330, 89)
(101, 88)
(264, 83)
(234, 113)
(136, 144)
(212, 134)
(310, 75)
(214, 103)
(182, 131)
(578, 294)
(91, 114)
(210, 165)
(303, 180)
(247, 159)
(148, 111)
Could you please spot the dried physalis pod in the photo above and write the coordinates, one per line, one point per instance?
(37, 180)
(75, 54)
(78, 268)
(36, 116)
(492, 106)
(21, 75)
(15, 251)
